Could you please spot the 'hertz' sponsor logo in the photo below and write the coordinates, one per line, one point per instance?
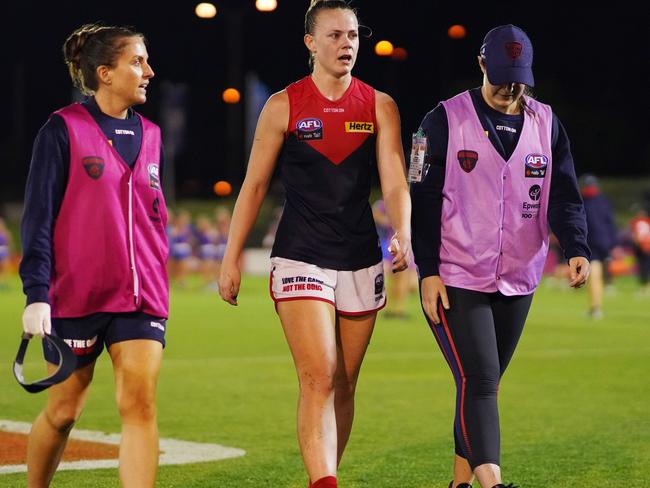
(367, 127)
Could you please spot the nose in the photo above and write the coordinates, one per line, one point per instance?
(148, 71)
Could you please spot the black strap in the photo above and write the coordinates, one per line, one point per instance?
(67, 363)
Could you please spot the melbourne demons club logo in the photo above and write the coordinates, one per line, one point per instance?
(513, 49)
(310, 129)
(467, 160)
(94, 166)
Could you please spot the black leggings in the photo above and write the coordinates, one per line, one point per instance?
(478, 336)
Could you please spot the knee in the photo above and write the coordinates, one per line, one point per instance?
(483, 385)
(62, 415)
(137, 404)
(317, 381)
(345, 387)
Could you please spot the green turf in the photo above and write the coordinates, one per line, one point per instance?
(574, 403)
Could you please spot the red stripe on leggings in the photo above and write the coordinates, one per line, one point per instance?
(462, 374)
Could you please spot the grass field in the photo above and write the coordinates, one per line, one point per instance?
(575, 403)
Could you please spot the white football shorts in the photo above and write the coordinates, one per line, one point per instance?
(357, 292)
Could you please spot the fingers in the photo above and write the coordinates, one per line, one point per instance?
(36, 319)
(579, 280)
(432, 313)
(47, 325)
(401, 255)
(228, 290)
(443, 298)
(400, 263)
(430, 305)
(579, 272)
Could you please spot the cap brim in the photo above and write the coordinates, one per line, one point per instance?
(67, 363)
(503, 76)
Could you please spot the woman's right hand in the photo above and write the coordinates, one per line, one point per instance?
(229, 280)
(37, 319)
(432, 289)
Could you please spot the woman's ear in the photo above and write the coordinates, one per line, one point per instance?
(310, 43)
(481, 63)
(104, 75)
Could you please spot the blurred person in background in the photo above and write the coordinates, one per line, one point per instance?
(601, 237)
(222, 220)
(180, 237)
(640, 229)
(5, 253)
(327, 278)
(208, 238)
(398, 284)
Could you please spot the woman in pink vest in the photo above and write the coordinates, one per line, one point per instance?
(327, 278)
(491, 169)
(93, 234)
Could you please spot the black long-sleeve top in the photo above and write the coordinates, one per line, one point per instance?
(566, 214)
(46, 185)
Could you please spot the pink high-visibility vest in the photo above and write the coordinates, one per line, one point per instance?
(494, 233)
(109, 243)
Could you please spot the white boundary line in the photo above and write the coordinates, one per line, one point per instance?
(172, 451)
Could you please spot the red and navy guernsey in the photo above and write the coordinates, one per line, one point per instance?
(326, 166)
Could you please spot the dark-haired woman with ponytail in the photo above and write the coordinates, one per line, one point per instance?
(495, 170)
(326, 268)
(93, 234)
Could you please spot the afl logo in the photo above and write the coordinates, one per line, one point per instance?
(154, 176)
(536, 166)
(535, 192)
(309, 129)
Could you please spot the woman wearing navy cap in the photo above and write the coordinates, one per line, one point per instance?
(491, 168)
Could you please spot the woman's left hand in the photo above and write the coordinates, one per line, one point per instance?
(400, 249)
(579, 271)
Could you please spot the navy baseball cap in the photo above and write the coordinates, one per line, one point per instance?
(67, 363)
(508, 56)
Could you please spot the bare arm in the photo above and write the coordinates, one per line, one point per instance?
(269, 138)
(392, 175)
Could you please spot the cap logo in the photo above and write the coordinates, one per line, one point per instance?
(513, 49)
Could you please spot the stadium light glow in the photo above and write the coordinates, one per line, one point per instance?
(266, 5)
(231, 95)
(457, 31)
(384, 48)
(205, 10)
(399, 54)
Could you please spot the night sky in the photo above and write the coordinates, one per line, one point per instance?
(591, 66)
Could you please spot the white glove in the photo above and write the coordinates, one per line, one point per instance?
(36, 319)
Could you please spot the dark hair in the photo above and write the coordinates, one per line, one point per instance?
(523, 106)
(91, 46)
(315, 7)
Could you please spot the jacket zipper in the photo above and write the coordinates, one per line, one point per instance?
(131, 250)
